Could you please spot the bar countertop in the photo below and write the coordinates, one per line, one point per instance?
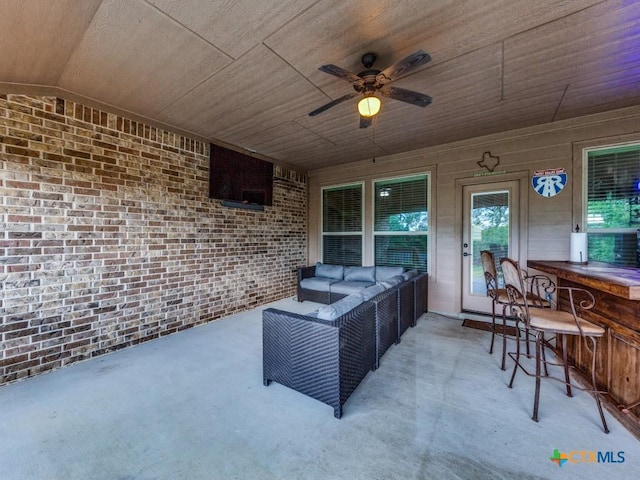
(620, 281)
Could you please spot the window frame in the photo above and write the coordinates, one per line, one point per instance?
(361, 184)
(584, 204)
(372, 222)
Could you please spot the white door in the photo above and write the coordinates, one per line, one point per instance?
(490, 222)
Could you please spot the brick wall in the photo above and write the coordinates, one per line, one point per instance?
(108, 237)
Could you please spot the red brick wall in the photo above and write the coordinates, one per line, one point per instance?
(108, 237)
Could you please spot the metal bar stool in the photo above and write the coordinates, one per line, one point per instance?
(559, 323)
(535, 298)
(498, 297)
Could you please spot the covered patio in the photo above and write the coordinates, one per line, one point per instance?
(130, 325)
(192, 405)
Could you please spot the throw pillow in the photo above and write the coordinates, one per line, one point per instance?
(370, 292)
(360, 274)
(335, 310)
(329, 271)
(392, 282)
(409, 274)
(385, 273)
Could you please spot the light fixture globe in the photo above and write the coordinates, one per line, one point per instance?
(369, 106)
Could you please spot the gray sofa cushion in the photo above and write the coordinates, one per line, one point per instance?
(317, 284)
(392, 282)
(360, 274)
(385, 273)
(370, 292)
(347, 288)
(409, 274)
(339, 308)
(329, 271)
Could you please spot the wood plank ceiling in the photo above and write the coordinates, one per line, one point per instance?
(245, 72)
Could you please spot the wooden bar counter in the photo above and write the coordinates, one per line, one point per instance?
(617, 309)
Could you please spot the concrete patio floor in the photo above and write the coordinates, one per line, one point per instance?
(192, 406)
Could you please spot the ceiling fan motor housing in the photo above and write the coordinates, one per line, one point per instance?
(368, 59)
(368, 83)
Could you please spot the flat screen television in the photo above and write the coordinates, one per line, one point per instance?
(237, 177)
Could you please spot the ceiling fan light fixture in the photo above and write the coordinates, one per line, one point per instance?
(370, 81)
(369, 106)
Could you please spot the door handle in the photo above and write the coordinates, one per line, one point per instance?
(465, 254)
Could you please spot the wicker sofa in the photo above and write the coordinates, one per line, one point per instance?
(324, 283)
(327, 353)
(324, 359)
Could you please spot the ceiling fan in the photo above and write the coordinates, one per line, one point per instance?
(370, 81)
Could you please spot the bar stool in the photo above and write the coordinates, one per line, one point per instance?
(554, 322)
(499, 297)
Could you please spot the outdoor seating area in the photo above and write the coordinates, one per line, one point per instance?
(326, 353)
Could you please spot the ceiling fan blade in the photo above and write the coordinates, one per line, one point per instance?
(415, 60)
(340, 72)
(332, 103)
(365, 121)
(407, 96)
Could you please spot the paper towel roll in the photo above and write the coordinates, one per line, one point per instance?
(578, 252)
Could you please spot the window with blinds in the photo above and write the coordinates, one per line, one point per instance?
(342, 225)
(613, 204)
(401, 222)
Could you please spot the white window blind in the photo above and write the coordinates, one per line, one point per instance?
(342, 225)
(613, 204)
(401, 222)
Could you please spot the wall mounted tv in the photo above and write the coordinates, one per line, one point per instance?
(239, 178)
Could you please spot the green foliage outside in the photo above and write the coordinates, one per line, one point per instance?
(493, 225)
(408, 222)
(609, 214)
(616, 248)
(490, 231)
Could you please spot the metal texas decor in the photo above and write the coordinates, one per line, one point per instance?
(549, 183)
(490, 162)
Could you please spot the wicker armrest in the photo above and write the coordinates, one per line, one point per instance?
(421, 284)
(406, 306)
(306, 272)
(386, 321)
(325, 360)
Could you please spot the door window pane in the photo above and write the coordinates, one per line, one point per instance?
(489, 231)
